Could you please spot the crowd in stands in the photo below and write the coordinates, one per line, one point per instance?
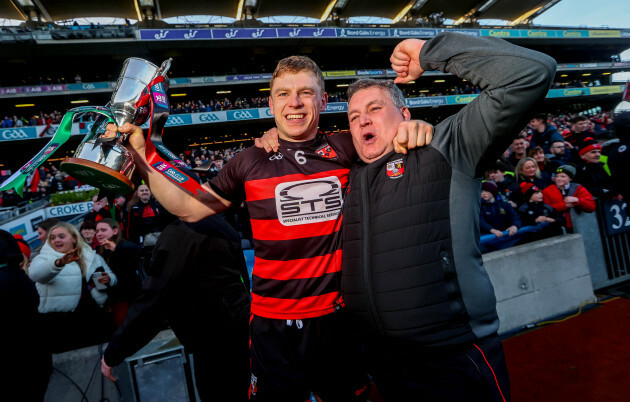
(41, 119)
(227, 103)
(554, 165)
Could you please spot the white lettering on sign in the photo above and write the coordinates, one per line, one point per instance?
(69, 209)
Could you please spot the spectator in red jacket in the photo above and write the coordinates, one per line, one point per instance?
(565, 194)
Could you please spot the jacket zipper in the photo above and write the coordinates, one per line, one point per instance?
(365, 225)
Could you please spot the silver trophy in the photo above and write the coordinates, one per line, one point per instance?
(106, 163)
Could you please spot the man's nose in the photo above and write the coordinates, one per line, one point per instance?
(295, 100)
(364, 120)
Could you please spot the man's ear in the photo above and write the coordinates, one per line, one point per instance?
(406, 114)
(270, 105)
(324, 101)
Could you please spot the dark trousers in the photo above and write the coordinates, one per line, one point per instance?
(471, 373)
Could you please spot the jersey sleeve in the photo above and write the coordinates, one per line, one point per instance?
(229, 183)
(342, 142)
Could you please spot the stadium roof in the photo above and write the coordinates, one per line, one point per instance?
(457, 10)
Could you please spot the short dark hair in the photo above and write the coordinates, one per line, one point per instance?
(540, 116)
(498, 166)
(388, 85)
(46, 224)
(520, 136)
(578, 119)
(88, 224)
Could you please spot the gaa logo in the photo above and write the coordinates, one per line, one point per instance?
(175, 121)
(208, 117)
(14, 134)
(243, 114)
(308, 201)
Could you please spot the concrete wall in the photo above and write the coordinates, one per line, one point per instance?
(539, 280)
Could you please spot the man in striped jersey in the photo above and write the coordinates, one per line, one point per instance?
(294, 197)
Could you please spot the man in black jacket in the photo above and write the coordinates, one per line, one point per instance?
(413, 279)
(198, 281)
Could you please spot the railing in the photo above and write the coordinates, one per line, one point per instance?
(8, 213)
(606, 235)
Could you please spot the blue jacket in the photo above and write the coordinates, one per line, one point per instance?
(497, 215)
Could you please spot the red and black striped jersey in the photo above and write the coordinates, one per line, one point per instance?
(294, 197)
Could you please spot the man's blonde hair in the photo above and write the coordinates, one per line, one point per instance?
(296, 64)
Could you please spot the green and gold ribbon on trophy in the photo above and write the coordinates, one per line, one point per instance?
(105, 163)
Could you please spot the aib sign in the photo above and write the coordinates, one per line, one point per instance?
(245, 114)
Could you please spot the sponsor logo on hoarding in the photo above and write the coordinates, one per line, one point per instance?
(191, 34)
(370, 72)
(538, 34)
(573, 92)
(465, 98)
(337, 107)
(20, 229)
(208, 117)
(572, 34)
(243, 114)
(604, 33)
(431, 101)
(363, 32)
(175, 121)
(14, 134)
(501, 33)
(69, 209)
(162, 35)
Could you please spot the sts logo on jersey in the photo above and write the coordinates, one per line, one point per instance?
(309, 201)
(326, 152)
(395, 169)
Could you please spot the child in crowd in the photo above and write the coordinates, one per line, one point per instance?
(506, 184)
(565, 194)
(496, 215)
(534, 211)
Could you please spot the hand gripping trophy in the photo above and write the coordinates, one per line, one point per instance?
(104, 163)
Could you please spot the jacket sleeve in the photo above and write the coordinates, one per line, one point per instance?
(43, 269)
(484, 226)
(147, 313)
(550, 197)
(100, 262)
(514, 218)
(586, 203)
(513, 80)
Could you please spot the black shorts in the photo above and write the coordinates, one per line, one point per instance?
(474, 372)
(292, 358)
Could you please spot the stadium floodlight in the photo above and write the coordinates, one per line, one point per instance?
(327, 11)
(239, 10)
(25, 3)
(403, 12)
(80, 101)
(176, 95)
(525, 17)
(25, 105)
